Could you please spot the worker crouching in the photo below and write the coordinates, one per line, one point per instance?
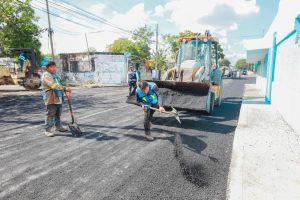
(148, 96)
(53, 95)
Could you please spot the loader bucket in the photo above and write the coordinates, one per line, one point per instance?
(181, 95)
(184, 95)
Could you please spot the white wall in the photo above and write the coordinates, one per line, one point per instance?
(286, 85)
(261, 84)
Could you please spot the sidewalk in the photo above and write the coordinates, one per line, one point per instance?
(265, 163)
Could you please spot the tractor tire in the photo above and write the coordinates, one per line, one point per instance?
(210, 104)
(32, 83)
(219, 99)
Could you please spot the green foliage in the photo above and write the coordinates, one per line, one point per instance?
(221, 55)
(161, 59)
(139, 46)
(172, 40)
(241, 64)
(17, 26)
(124, 45)
(224, 62)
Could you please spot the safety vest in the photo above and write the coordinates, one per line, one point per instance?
(132, 77)
(57, 81)
(22, 57)
(150, 98)
(58, 93)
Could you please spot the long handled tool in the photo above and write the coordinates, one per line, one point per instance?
(75, 130)
(173, 111)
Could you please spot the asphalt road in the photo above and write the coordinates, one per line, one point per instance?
(112, 160)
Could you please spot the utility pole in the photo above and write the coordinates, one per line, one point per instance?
(50, 32)
(88, 50)
(156, 53)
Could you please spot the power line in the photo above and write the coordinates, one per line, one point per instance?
(72, 12)
(56, 15)
(93, 16)
(90, 16)
(81, 14)
(60, 10)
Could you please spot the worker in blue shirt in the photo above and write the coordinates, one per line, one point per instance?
(131, 80)
(22, 58)
(148, 96)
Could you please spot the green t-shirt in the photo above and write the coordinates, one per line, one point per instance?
(139, 74)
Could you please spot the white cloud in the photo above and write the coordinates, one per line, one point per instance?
(159, 11)
(223, 41)
(187, 13)
(135, 17)
(244, 7)
(97, 8)
(219, 16)
(233, 27)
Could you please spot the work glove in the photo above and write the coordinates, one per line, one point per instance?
(161, 109)
(144, 108)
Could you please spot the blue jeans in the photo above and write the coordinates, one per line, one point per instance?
(53, 116)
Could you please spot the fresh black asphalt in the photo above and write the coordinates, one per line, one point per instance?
(112, 160)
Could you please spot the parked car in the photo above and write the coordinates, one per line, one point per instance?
(236, 73)
(227, 71)
(244, 72)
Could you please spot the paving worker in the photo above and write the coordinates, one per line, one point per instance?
(148, 96)
(131, 80)
(53, 93)
(22, 58)
(138, 73)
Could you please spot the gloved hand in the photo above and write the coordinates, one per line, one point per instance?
(161, 109)
(144, 107)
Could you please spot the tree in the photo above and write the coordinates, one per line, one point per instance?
(142, 39)
(241, 63)
(224, 62)
(221, 55)
(17, 26)
(123, 45)
(172, 40)
(139, 46)
(161, 60)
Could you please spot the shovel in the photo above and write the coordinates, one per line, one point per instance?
(74, 128)
(173, 111)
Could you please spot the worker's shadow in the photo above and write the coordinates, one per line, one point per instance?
(91, 136)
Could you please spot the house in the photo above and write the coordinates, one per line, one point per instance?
(276, 58)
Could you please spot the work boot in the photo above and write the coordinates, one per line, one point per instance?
(149, 138)
(49, 134)
(61, 129)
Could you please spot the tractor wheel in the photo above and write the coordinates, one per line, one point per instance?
(32, 83)
(210, 102)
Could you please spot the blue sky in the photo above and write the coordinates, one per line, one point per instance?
(230, 20)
